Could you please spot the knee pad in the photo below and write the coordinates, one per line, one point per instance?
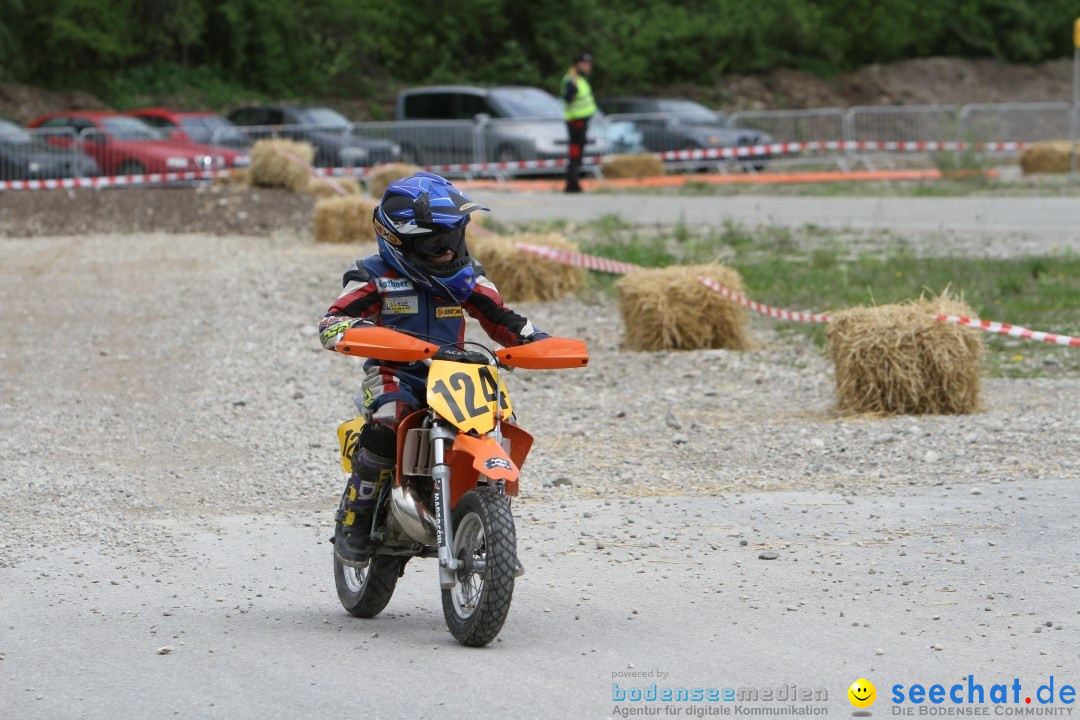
(379, 440)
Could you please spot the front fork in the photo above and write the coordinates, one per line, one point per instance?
(440, 474)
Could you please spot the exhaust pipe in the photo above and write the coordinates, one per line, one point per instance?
(414, 517)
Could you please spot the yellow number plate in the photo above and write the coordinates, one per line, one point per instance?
(348, 436)
(464, 394)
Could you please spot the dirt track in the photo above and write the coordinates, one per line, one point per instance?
(167, 477)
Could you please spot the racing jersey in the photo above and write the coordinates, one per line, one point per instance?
(374, 290)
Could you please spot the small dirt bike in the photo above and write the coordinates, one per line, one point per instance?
(457, 468)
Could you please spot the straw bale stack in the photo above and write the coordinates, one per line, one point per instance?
(899, 359)
(670, 309)
(522, 276)
(269, 168)
(323, 187)
(1046, 157)
(344, 219)
(632, 166)
(380, 178)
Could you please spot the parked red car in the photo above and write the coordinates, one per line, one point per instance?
(201, 127)
(124, 145)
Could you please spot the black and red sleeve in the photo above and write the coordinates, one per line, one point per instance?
(359, 299)
(502, 324)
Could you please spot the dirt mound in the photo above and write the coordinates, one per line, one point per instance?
(924, 81)
(23, 103)
(217, 210)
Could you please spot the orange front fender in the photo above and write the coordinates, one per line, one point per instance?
(475, 456)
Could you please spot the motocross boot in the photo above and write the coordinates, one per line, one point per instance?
(352, 535)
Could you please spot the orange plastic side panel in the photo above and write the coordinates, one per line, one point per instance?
(547, 354)
(379, 343)
(520, 443)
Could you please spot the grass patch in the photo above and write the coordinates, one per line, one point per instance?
(1040, 293)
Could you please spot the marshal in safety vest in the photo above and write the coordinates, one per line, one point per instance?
(583, 105)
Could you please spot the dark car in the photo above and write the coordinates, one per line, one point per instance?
(24, 156)
(330, 132)
(200, 127)
(678, 124)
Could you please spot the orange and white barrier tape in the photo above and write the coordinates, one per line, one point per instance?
(1011, 330)
(616, 267)
(777, 313)
(725, 153)
(589, 262)
(112, 180)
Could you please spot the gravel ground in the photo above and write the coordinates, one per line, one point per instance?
(151, 380)
(221, 210)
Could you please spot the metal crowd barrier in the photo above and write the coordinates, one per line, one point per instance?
(486, 146)
(1026, 122)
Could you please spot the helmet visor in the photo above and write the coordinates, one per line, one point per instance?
(433, 246)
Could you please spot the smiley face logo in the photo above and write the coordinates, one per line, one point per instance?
(862, 693)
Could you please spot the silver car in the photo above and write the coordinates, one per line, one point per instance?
(457, 124)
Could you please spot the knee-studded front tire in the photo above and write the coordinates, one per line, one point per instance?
(485, 545)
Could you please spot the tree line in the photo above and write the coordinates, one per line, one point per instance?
(350, 47)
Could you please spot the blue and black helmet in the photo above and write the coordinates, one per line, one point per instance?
(420, 227)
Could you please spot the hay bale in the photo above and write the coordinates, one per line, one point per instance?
(632, 166)
(344, 219)
(269, 168)
(322, 187)
(521, 276)
(380, 178)
(899, 359)
(670, 309)
(1046, 157)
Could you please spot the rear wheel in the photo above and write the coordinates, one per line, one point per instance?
(365, 592)
(485, 545)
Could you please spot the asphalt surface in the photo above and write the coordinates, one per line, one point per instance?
(963, 214)
(923, 585)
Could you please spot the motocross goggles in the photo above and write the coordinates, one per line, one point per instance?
(433, 246)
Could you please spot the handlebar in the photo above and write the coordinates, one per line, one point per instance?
(380, 343)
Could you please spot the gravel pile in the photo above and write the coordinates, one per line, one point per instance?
(151, 382)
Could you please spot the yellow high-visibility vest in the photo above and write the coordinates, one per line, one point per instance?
(583, 105)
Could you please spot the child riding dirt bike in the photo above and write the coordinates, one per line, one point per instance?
(422, 282)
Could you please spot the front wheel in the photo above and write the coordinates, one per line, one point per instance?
(485, 545)
(364, 592)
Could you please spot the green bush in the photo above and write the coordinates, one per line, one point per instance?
(350, 47)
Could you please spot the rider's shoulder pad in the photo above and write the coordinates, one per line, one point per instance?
(362, 271)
